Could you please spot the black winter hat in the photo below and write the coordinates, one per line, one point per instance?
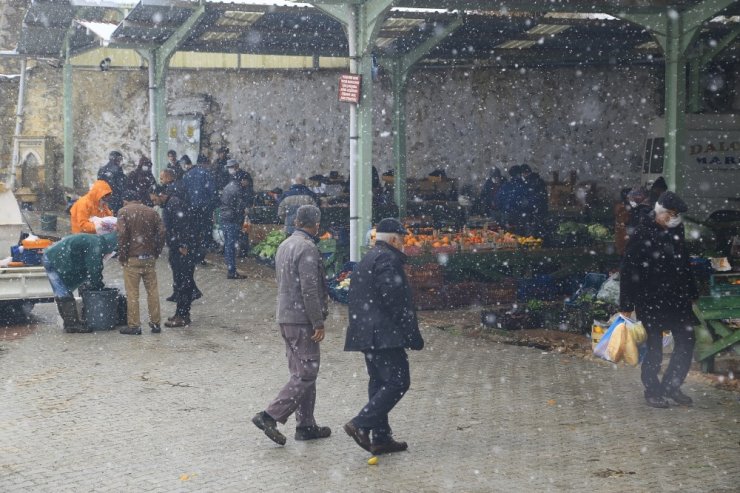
(131, 196)
(185, 159)
(673, 202)
(391, 225)
(659, 184)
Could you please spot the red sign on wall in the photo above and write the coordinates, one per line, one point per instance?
(349, 88)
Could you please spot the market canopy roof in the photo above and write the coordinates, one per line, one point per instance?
(526, 32)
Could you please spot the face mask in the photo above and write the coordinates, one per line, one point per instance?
(674, 222)
(633, 204)
(232, 171)
(145, 168)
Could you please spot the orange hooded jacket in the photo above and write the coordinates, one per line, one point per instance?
(89, 205)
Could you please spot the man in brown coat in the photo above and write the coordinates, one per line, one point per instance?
(301, 310)
(140, 242)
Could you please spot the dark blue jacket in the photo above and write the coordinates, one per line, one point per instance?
(200, 187)
(114, 176)
(381, 306)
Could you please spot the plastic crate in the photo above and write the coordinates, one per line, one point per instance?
(725, 285)
(32, 256)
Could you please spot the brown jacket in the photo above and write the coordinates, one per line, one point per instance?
(140, 232)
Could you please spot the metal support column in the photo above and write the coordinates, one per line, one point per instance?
(398, 77)
(159, 60)
(400, 67)
(675, 102)
(362, 21)
(69, 143)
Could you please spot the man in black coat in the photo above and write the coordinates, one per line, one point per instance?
(112, 173)
(656, 282)
(182, 240)
(382, 325)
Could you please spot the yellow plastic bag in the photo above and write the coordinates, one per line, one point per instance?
(631, 355)
(637, 332)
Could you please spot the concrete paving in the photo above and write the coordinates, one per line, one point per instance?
(171, 412)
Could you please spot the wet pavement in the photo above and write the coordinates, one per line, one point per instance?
(171, 412)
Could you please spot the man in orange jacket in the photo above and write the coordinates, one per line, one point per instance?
(89, 205)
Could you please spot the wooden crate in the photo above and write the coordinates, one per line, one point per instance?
(425, 276)
(462, 294)
(500, 293)
(428, 298)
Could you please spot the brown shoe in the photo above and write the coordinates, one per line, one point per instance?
(388, 447)
(177, 321)
(360, 436)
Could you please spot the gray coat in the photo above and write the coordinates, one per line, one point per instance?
(302, 293)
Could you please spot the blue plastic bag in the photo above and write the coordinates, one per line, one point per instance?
(600, 348)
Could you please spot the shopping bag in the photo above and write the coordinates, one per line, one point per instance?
(600, 349)
(631, 354)
(615, 346)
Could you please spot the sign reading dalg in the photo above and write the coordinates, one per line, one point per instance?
(349, 88)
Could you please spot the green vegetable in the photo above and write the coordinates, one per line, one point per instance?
(268, 247)
(599, 232)
(571, 228)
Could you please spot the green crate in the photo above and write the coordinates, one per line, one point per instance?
(725, 284)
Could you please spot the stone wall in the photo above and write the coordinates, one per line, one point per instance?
(11, 15)
(278, 123)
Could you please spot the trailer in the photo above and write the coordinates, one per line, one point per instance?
(20, 287)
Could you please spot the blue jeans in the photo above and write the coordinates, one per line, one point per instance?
(60, 290)
(231, 239)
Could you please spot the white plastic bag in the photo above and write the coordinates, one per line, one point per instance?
(609, 291)
(104, 225)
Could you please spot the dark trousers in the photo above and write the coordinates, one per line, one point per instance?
(683, 349)
(389, 380)
(183, 270)
(203, 219)
(231, 238)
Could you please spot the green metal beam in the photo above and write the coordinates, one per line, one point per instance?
(399, 78)
(160, 58)
(338, 12)
(399, 69)
(708, 55)
(694, 89)
(698, 14)
(675, 103)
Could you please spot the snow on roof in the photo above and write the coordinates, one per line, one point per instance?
(103, 30)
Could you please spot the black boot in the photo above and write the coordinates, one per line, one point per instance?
(68, 310)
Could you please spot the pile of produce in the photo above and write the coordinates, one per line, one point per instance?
(595, 231)
(267, 248)
(478, 239)
(600, 232)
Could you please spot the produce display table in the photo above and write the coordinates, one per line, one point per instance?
(714, 335)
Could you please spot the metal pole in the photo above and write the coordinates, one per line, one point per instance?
(399, 136)
(18, 122)
(354, 196)
(69, 149)
(675, 103)
(152, 104)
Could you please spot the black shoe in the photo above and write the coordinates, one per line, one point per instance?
(156, 328)
(235, 275)
(388, 447)
(196, 295)
(264, 422)
(312, 432)
(171, 298)
(359, 435)
(177, 321)
(657, 401)
(679, 397)
(131, 331)
(204, 263)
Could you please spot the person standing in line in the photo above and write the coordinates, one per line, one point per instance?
(140, 242)
(296, 196)
(112, 173)
(301, 310)
(173, 164)
(201, 194)
(382, 325)
(220, 172)
(657, 283)
(181, 238)
(233, 214)
(142, 181)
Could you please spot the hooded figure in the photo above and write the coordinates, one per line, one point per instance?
(75, 260)
(89, 205)
(141, 181)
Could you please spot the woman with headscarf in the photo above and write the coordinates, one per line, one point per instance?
(141, 181)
